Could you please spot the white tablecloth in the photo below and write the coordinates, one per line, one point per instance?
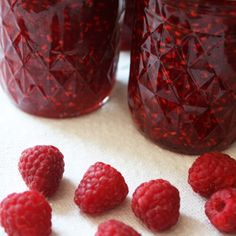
(106, 135)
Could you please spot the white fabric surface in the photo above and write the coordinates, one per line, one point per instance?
(106, 135)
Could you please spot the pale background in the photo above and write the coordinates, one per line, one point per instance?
(107, 135)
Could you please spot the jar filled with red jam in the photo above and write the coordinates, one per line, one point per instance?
(59, 57)
(126, 36)
(182, 89)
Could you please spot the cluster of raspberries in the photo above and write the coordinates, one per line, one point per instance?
(156, 203)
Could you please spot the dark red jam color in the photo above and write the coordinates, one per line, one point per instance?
(182, 89)
(59, 56)
(126, 36)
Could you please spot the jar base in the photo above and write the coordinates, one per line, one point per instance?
(185, 150)
(68, 114)
(191, 152)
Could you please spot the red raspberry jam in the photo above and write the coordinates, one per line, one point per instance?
(126, 36)
(59, 56)
(182, 89)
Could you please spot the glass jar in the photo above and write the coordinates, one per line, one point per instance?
(59, 57)
(182, 89)
(126, 36)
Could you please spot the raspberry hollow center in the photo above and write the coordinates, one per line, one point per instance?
(219, 205)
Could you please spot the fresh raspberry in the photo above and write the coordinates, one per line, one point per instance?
(42, 169)
(212, 172)
(102, 188)
(221, 210)
(26, 214)
(115, 228)
(157, 204)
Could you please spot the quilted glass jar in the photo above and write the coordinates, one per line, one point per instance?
(182, 89)
(59, 57)
(126, 36)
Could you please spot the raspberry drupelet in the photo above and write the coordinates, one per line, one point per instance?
(102, 188)
(221, 210)
(115, 228)
(156, 203)
(212, 172)
(26, 214)
(42, 168)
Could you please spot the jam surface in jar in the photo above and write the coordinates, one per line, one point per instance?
(126, 36)
(182, 89)
(59, 57)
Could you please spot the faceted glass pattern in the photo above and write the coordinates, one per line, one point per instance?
(182, 89)
(59, 57)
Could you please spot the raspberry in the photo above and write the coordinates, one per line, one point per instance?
(115, 228)
(212, 172)
(157, 204)
(102, 188)
(42, 169)
(221, 210)
(26, 214)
